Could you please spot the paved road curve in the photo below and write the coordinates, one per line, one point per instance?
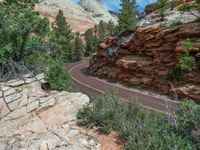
(96, 87)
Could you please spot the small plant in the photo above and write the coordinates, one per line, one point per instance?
(58, 78)
(186, 62)
(176, 23)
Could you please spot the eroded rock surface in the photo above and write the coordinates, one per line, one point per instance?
(32, 119)
(48, 129)
(76, 16)
(145, 57)
(97, 11)
(80, 17)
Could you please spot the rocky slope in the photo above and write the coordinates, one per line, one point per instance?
(32, 119)
(171, 16)
(145, 57)
(80, 19)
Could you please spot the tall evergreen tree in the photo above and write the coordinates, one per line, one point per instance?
(91, 41)
(128, 15)
(78, 48)
(61, 38)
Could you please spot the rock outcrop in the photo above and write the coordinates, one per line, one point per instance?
(97, 11)
(77, 17)
(80, 17)
(145, 57)
(171, 16)
(33, 119)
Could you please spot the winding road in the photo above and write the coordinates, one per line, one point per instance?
(94, 87)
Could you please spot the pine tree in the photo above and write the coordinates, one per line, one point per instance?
(78, 48)
(91, 41)
(61, 39)
(128, 15)
(162, 5)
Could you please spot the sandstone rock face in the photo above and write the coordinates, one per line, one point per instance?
(31, 119)
(37, 120)
(80, 19)
(53, 128)
(97, 11)
(170, 17)
(145, 57)
(76, 16)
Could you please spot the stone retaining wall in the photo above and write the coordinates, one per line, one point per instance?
(21, 96)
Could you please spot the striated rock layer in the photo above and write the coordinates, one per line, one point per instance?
(80, 17)
(76, 16)
(145, 57)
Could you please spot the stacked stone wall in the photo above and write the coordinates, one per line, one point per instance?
(21, 96)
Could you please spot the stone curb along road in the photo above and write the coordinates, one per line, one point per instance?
(94, 87)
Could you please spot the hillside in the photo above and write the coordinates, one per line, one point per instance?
(78, 16)
(97, 11)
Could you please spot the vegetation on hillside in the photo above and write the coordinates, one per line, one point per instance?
(94, 36)
(141, 129)
(21, 31)
(192, 8)
(28, 39)
(186, 62)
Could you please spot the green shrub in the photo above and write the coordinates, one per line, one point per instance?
(138, 128)
(176, 23)
(188, 120)
(58, 78)
(22, 31)
(186, 62)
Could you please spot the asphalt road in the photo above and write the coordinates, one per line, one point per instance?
(94, 87)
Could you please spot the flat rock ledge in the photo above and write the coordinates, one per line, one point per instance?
(32, 119)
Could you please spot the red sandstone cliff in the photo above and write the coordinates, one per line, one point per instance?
(145, 57)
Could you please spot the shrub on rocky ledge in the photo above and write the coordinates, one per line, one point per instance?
(58, 78)
(186, 62)
(139, 128)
